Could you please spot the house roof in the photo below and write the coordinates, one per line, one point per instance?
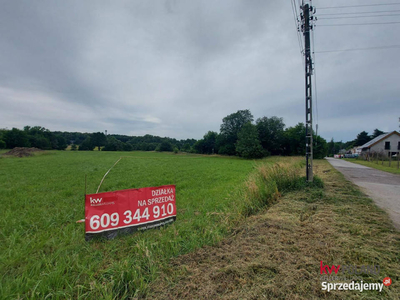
(378, 139)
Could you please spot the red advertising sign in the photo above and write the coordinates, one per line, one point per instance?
(110, 213)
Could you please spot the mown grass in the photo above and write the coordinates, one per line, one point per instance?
(42, 250)
(276, 253)
(377, 164)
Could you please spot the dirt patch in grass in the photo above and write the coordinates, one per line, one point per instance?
(22, 151)
(276, 254)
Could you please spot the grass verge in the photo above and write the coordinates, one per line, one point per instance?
(276, 254)
(377, 165)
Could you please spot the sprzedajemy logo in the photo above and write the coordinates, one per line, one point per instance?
(327, 277)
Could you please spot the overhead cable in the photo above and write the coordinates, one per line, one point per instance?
(361, 5)
(361, 12)
(299, 40)
(334, 18)
(352, 24)
(361, 49)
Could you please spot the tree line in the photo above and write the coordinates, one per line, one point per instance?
(116, 142)
(38, 137)
(42, 138)
(239, 135)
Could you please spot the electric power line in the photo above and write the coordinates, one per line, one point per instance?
(361, 5)
(361, 12)
(298, 31)
(349, 24)
(299, 40)
(360, 49)
(332, 18)
(315, 83)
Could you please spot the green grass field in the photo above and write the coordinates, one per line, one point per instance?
(43, 251)
(377, 165)
(43, 254)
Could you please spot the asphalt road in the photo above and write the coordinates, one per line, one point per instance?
(382, 187)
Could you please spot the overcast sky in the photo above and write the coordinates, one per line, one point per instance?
(176, 68)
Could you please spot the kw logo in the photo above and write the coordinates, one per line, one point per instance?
(95, 201)
(326, 269)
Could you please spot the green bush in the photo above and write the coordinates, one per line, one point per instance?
(113, 145)
(86, 145)
(164, 147)
(127, 147)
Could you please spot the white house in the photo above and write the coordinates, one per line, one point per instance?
(388, 143)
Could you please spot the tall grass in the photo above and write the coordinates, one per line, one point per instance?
(265, 185)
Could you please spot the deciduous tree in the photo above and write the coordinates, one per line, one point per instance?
(294, 140)
(16, 138)
(99, 139)
(86, 145)
(230, 128)
(270, 132)
(248, 145)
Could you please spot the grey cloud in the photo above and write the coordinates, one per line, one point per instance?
(176, 68)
